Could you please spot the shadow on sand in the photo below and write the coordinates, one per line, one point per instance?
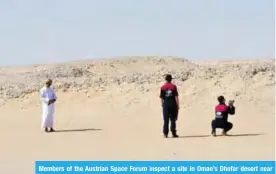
(229, 135)
(239, 135)
(194, 136)
(243, 135)
(77, 130)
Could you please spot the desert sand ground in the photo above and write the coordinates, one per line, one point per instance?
(109, 110)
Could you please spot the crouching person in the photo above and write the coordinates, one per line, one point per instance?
(221, 116)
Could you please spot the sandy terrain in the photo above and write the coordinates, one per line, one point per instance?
(110, 110)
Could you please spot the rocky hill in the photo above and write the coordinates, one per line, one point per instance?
(17, 82)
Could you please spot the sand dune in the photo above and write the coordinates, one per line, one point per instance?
(109, 110)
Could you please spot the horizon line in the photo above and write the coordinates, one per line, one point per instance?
(135, 57)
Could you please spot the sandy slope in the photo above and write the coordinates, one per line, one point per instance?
(123, 121)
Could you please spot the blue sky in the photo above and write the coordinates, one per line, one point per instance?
(33, 31)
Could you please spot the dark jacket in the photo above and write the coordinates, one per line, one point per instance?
(168, 92)
(222, 111)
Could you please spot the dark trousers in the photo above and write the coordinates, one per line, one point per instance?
(226, 126)
(170, 114)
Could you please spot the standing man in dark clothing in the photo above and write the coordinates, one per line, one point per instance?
(170, 105)
(221, 116)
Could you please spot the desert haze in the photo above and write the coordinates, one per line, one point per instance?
(109, 109)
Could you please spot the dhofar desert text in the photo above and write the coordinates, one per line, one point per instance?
(183, 168)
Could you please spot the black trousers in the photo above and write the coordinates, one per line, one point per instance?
(170, 113)
(226, 126)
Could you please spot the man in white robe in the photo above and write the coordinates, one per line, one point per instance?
(48, 98)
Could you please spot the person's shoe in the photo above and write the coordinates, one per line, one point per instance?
(46, 129)
(165, 135)
(52, 130)
(224, 133)
(175, 136)
(213, 133)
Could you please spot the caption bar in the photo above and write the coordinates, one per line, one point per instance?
(84, 167)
